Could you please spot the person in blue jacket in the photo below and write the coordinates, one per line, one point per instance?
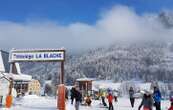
(157, 98)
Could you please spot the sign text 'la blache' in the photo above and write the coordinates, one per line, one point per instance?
(50, 55)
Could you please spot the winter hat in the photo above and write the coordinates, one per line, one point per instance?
(109, 90)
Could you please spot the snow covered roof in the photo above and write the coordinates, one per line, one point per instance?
(84, 79)
(18, 76)
(5, 68)
(21, 77)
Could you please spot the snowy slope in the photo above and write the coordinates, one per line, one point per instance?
(42, 103)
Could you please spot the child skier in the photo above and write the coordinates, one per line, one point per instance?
(115, 94)
(88, 101)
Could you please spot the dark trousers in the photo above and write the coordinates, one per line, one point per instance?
(103, 101)
(1, 100)
(157, 105)
(72, 99)
(132, 101)
(111, 106)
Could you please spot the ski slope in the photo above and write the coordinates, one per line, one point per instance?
(33, 102)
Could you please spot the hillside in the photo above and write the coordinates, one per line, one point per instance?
(136, 61)
(145, 62)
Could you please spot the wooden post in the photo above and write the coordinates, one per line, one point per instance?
(61, 90)
(14, 71)
(10, 87)
(62, 73)
(61, 97)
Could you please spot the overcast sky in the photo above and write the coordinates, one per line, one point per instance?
(107, 24)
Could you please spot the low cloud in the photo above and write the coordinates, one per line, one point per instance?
(119, 24)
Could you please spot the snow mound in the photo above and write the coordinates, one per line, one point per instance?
(30, 97)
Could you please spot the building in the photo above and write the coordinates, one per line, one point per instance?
(13, 71)
(34, 87)
(4, 88)
(21, 81)
(85, 85)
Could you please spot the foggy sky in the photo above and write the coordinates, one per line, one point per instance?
(119, 24)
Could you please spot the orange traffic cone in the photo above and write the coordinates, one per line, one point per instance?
(9, 100)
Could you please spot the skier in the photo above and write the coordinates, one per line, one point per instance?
(157, 98)
(131, 95)
(103, 95)
(78, 97)
(147, 101)
(88, 101)
(115, 94)
(72, 94)
(110, 100)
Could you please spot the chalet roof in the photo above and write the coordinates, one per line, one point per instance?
(21, 77)
(5, 68)
(18, 76)
(85, 79)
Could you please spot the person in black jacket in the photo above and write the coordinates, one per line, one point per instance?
(77, 97)
(72, 94)
(131, 95)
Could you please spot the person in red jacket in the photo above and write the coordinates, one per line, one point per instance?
(171, 107)
(171, 100)
(110, 100)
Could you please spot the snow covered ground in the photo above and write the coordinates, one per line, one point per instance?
(33, 102)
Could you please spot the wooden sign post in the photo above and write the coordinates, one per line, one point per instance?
(48, 55)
